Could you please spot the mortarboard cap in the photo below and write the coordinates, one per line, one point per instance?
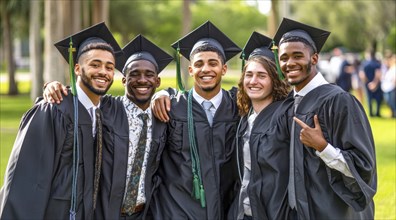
(207, 34)
(258, 44)
(292, 29)
(140, 48)
(98, 33)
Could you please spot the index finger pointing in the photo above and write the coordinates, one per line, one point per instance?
(301, 123)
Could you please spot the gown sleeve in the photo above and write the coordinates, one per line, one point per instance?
(32, 162)
(350, 131)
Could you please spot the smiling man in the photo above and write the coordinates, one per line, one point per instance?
(196, 175)
(332, 173)
(38, 180)
(125, 187)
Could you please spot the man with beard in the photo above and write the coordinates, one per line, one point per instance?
(49, 173)
(196, 175)
(125, 188)
(332, 157)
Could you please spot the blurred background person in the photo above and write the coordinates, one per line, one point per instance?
(388, 84)
(344, 79)
(370, 74)
(335, 65)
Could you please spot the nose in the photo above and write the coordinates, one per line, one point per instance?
(142, 78)
(205, 68)
(253, 80)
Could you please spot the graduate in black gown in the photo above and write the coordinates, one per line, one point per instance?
(38, 180)
(196, 171)
(141, 68)
(332, 155)
(262, 163)
(141, 63)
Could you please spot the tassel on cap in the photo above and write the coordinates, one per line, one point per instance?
(275, 50)
(180, 85)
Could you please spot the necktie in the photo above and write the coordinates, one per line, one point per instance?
(207, 105)
(291, 186)
(98, 154)
(133, 183)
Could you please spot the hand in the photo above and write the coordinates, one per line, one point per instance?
(160, 107)
(372, 86)
(53, 92)
(312, 137)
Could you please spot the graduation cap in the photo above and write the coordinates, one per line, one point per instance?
(140, 48)
(207, 34)
(258, 44)
(292, 29)
(98, 33)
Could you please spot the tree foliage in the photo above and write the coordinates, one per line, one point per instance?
(356, 25)
(161, 21)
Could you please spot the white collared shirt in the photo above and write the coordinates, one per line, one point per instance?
(216, 100)
(88, 104)
(331, 155)
(135, 127)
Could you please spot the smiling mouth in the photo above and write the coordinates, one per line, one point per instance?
(207, 78)
(254, 89)
(100, 81)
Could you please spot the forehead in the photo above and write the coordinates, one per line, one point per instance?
(255, 66)
(293, 46)
(141, 65)
(205, 55)
(98, 54)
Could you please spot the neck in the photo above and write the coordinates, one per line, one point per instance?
(258, 106)
(95, 99)
(208, 95)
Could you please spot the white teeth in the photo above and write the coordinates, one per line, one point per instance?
(255, 89)
(207, 78)
(100, 80)
(142, 89)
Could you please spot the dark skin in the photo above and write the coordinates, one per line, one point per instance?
(298, 64)
(140, 82)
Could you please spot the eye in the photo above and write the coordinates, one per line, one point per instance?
(212, 64)
(94, 65)
(262, 76)
(248, 75)
(150, 74)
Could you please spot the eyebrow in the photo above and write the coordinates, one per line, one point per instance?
(101, 61)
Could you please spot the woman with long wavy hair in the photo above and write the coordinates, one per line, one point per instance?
(260, 162)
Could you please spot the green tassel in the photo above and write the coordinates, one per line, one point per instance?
(203, 200)
(275, 50)
(178, 71)
(196, 187)
(71, 68)
(243, 60)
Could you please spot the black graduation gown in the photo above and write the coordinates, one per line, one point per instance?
(322, 192)
(39, 173)
(267, 189)
(173, 180)
(115, 158)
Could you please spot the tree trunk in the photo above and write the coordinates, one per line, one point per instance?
(35, 47)
(186, 27)
(273, 19)
(54, 65)
(86, 15)
(100, 11)
(9, 53)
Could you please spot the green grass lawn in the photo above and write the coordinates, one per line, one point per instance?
(384, 130)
